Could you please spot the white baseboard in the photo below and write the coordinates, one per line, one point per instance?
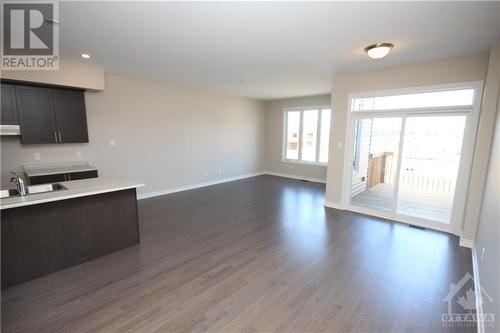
(334, 205)
(466, 242)
(288, 175)
(224, 180)
(193, 186)
(477, 291)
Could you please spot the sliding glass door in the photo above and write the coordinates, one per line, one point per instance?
(409, 153)
(429, 166)
(375, 162)
(407, 165)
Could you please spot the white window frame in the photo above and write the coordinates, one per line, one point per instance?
(357, 139)
(474, 85)
(301, 109)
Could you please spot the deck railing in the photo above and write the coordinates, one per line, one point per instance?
(424, 183)
(433, 175)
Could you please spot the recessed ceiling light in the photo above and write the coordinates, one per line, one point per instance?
(85, 56)
(379, 50)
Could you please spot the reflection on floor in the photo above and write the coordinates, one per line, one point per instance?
(256, 255)
(430, 206)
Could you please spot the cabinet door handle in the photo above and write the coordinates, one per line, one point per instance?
(55, 136)
(58, 132)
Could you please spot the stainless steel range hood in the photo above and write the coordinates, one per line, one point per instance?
(10, 130)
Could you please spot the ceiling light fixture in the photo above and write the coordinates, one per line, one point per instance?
(85, 56)
(379, 50)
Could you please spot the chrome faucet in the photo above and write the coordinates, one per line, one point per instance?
(21, 187)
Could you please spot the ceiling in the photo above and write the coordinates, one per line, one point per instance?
(268, 50)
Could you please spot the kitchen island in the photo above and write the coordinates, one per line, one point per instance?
(46, 232)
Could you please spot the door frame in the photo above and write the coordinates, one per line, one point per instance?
(472, 119)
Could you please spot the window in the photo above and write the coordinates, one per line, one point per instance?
(307, 135)
(292, 142)
(459, 97)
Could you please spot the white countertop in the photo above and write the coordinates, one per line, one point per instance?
(57, 168)
(75, 189)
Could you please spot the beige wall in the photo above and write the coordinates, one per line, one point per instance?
(166, 136)
(275, 137)
(488, 232)
(71, 74)
(461, 69)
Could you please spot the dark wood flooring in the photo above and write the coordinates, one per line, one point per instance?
(255, 255)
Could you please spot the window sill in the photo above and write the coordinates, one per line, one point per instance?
(317, 164)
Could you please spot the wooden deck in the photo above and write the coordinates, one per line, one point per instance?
(431, 206)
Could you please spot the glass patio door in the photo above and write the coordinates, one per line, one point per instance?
(428, 148)
(375, 162)
(409, 153)
(430, 163)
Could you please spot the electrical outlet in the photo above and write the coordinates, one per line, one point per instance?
(219, 172)
(79, 154)
(37, 156)
(112, 142)
(205, 173)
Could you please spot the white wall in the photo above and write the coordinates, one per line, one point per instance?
(166, 136)
(488, 232)
(274, 161)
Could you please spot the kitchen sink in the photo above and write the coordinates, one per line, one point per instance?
(8, 193)
(33, 189)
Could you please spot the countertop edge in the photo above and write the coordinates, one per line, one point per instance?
(47, 173)
(69, 196)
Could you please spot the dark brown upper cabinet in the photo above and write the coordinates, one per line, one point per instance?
(36, 115)
(8, 114)
(51, 115)
(71, 118)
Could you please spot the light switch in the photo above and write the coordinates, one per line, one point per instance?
(37, 156)
(112, 143)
